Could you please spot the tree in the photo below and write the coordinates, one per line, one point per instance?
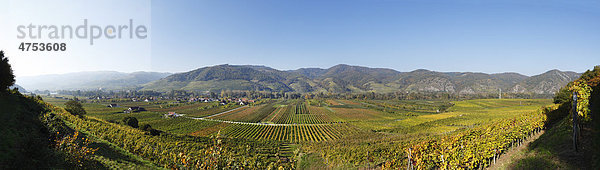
(7, 78)
(74, 107)
(563, 96)
(131, 121)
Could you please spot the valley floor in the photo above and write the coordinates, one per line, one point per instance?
(312, 126)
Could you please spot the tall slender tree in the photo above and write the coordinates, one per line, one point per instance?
(7, 78)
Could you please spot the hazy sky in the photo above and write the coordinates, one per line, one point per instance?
(124, 54)
(528, 37)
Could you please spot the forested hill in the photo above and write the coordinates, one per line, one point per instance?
(345, 78)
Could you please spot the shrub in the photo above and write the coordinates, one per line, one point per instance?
(131, 121)
(149, 130)
(74, 108)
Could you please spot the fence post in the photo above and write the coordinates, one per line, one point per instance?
(575, 123)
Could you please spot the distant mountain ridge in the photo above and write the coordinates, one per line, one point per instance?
(545, 82)
(21, 89)
(345, 78)
(94, 80)
(337, 79)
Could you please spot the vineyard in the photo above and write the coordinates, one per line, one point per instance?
(474, 142)
(358, 114)
(407, 107)
(473, 148)
(358, 133)
(289, 133)
(174, 151)
(210, 130)
(234, 114)
(300, 108)
(252, 114)
(299, 113)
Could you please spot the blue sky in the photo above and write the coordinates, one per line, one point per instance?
(528, 37)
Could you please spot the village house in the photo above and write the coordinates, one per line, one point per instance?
(134, 109)
(113, 105)
(172, 115)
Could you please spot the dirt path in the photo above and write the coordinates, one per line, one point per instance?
(514, 153)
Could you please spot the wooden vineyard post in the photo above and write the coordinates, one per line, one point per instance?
(575, 123)
(368, 161)
(495, 155)
(409, 166)
(443, 162)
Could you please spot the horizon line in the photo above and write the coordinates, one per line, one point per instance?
(177, 72)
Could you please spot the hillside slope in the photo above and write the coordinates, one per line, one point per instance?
(554, 149)
(548, 82)
(24, 139)
(224, 77)
(345, 78)
(33, 137)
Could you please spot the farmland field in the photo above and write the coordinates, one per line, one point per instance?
(301, 121)
(299, 114)
(346, 133)
(291, 133)
(286, 85)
